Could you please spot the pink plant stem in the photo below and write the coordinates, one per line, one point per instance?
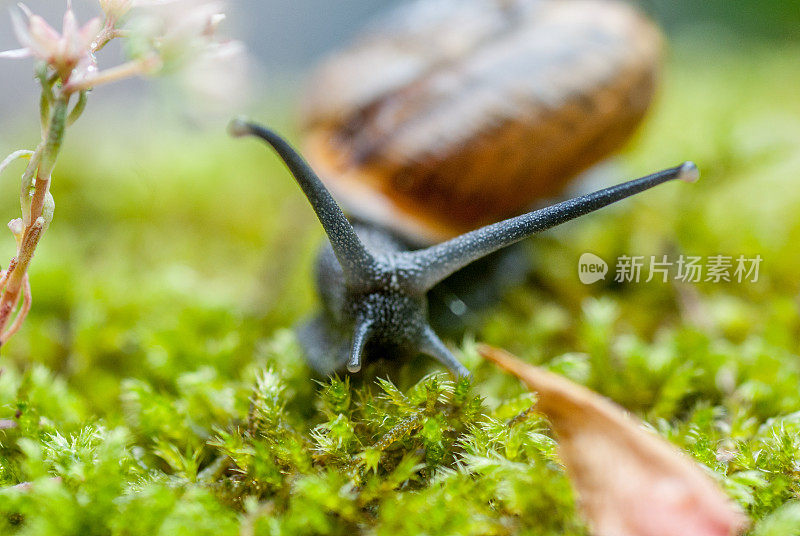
(7, 273)
(27, 299)
(34, 221)
(120, 72)
(39, 194)
(42, 187)
(18, 277)
(27, 182)
(108, 33)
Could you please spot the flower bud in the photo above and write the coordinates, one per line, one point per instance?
(16, 227)
(114, 9)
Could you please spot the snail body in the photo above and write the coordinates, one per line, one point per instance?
(448, 116)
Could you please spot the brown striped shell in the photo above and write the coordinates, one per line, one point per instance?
(451, 114)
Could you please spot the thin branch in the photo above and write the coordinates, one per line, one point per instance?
(109, 33)
(4, 279)
(15, 282)
(52, 146)
(27, 183)
(16, 155)
(78, 109)
(27, 299)
(114, 74)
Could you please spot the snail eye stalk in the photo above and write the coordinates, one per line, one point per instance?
(438, 262)
(357, 263)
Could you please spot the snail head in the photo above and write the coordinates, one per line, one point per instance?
(383, 289)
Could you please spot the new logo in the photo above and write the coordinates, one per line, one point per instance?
(591, 268)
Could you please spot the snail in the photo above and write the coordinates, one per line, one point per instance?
(437, 131)
(376, 289)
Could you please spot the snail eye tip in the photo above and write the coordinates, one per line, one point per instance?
(238, 127)
(689, 172)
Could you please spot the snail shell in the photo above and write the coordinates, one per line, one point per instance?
(451, 114)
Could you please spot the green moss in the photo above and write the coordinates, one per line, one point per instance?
(157, 389)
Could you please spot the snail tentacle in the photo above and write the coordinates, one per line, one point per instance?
(430, 344)
(441, 260)
(361, 334)
(357, 262)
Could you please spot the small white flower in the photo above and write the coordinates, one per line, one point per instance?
(218, 76)
(183, 35)
(62, 52)
(177, 29)
(114, 9)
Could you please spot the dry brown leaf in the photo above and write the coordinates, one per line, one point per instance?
(629, 481)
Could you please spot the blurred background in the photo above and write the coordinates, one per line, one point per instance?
(163, 254)
(286, 37)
